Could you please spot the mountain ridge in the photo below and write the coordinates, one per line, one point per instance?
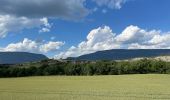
(122, 54)
(20, 57)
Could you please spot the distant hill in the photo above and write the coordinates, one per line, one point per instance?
(19, 57)
(123, 54)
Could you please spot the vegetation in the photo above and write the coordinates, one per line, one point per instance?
(114, 87)
(19, 57)
(80, 84)
(53, 67)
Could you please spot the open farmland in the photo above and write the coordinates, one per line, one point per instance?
(120, 87)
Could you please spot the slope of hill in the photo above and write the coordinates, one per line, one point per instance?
(157, 58)
(123, 54)
(19, 57)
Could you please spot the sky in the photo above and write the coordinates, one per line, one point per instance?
(70, 28)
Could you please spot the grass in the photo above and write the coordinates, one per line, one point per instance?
(121, 87)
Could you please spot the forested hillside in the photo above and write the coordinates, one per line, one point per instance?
(123, 54)
(54, 67)
(20, 57)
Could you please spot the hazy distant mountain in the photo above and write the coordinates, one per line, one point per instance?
(123, 54)
(19, 57)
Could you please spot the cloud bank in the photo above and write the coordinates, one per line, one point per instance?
(28, 45)
(65, 9)
(16, 15)
(132, 37)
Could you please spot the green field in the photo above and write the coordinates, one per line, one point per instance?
(122, 87)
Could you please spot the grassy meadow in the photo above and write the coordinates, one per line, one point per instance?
(120, 87)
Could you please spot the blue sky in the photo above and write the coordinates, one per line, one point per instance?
(110, 24)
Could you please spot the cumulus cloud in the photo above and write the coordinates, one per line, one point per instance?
(131, 37)
(28, 45)
(44, 29)
(16, 15)
(46, 25)
(45, 22)
(160, 39)
(51, 46)
(133, 34)
(101, 38)
(65, 9)
(10, 24)
(112, 4)
(134, 37)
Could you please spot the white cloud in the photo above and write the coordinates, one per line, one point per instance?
(44, 29)
(46, 25)
(45, 22)
(25, 45)
(51, 46)
(133, 34)
(101, 38)
(159, 39)
(28, 45)
(131, 37)
(16, 15)
(11, 24)
(112, 4)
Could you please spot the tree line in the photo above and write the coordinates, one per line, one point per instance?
(44, 68)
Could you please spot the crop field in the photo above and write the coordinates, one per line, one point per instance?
(121, 87)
